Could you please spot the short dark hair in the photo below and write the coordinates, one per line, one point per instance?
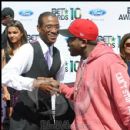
(7, 11)
(44, 14)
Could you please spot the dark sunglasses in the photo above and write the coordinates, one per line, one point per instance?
(70, 39)
(127, 44)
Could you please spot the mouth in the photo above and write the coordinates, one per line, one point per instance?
(12, 39)
(128, 48)
(53, 37)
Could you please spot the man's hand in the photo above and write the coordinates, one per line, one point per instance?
(46, 84)
(51, 81)
(42, 84)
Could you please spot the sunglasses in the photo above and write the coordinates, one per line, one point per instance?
(127, 44)
(70, 39)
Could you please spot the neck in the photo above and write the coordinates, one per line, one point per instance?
(16, 46)
(87, 51)
(128, 57)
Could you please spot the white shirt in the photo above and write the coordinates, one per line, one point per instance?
(3, 28)
(20, 63)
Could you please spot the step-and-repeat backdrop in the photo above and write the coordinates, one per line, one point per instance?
(112, 18)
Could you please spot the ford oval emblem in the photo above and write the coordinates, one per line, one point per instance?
(97, 12)
(25, 12)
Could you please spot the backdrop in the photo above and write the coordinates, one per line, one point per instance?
(112, 18)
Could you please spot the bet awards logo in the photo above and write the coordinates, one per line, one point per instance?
(66, 14)
(125, 16)
(110, 40)
(71, 66)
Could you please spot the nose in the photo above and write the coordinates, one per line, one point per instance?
(54, 30)
(11, 35)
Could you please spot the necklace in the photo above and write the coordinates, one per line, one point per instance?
(79, 78)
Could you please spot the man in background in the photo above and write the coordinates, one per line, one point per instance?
(7, 17)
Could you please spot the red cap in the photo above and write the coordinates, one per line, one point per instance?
(82, 28)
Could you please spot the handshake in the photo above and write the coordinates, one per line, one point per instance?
(46, 84)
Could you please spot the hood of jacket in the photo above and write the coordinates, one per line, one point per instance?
(100, 50)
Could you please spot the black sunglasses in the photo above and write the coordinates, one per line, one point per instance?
(127, 44)
(70, 39)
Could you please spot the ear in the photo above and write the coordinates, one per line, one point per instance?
(38, 28)
(84, 43)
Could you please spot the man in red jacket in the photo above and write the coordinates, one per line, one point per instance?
(101, 93)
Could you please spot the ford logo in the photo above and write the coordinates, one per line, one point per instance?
(97, 12)
(25, 13)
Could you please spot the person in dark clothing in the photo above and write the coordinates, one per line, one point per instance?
(6, 17)
(35, 106)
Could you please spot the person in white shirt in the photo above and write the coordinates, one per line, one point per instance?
(16, 36)
(22, 71)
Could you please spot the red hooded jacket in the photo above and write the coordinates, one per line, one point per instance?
(101, 93)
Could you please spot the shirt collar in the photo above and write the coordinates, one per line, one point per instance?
(44, 47)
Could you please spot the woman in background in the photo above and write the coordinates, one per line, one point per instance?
(17, 36)
(3, 103)
(125, 50)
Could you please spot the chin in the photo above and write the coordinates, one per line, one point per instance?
(71, 53)
(52, 42)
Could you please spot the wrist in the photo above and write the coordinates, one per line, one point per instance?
(35, 85)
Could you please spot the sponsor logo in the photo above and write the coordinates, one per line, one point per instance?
(97, 12)
(124, 87)
(110, 40)
(32, 37)
(71, 66)
(125, 16)
(45, 124)
(25, 12)
(66, 14)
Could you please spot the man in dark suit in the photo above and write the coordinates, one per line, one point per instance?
(36, 107)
